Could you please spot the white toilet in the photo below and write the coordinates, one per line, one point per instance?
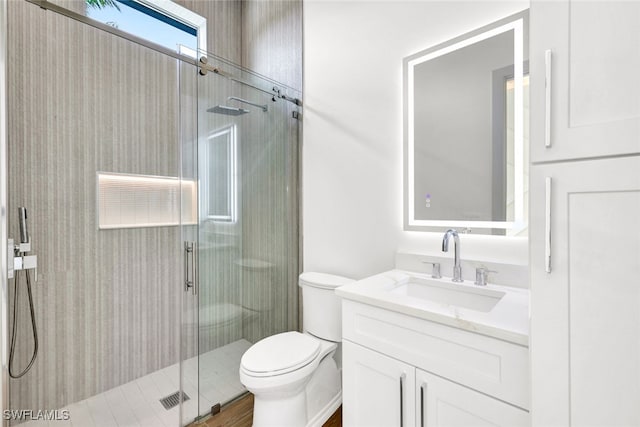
(296, 378)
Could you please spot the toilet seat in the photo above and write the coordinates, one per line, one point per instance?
(280, 354)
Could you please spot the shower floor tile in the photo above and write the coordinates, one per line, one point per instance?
(137, 403)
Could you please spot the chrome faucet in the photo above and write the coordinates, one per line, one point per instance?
(457, 270)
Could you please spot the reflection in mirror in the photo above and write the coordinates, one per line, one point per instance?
(219, 178)
(466, 132)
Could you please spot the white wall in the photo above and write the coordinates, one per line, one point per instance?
(352, 147)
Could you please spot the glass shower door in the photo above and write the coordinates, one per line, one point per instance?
(244, 160)
(187, 76)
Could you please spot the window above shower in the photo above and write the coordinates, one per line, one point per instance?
(162, 22)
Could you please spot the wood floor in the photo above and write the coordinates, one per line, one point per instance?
(240, 414)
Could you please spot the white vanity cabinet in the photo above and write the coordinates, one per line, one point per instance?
(432, 374)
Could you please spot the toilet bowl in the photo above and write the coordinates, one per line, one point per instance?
(296, 377)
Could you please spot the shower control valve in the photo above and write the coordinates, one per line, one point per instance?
(19, 261)
(21, 247)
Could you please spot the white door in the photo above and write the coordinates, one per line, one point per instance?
(442, 403)
(594, 98)
(377, 390)
(585, 312)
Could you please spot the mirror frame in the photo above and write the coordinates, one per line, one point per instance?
(517, 23)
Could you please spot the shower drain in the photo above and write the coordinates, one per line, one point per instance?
(173, 400)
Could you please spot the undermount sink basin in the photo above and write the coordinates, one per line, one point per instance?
(495, 310)
(454, 294)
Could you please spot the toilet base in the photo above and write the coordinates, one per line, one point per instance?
(280, 411)
(310, 405)
(326, 412)
(290, 413)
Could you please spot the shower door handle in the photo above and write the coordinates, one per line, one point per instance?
(194, 268)
(189, 267)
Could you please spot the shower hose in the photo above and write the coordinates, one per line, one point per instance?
(15, 326)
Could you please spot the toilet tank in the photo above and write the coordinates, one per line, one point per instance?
(321, 307)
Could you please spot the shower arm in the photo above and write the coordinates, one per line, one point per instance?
(244, 101)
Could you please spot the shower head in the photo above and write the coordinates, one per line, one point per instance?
(229, 111)
(244, 101)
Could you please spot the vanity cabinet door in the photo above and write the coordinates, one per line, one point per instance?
(594, 99)
(585, 312)
(378, 391)
(442, 403)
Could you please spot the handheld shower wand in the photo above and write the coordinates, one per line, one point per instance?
(22, 218)
(24, 238)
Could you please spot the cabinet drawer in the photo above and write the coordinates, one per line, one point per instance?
(486, 364)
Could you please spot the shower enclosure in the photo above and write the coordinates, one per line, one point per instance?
(163, 207)
(241, 255)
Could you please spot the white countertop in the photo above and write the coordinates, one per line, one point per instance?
(508, 320)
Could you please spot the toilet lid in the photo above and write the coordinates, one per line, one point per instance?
(279, 354)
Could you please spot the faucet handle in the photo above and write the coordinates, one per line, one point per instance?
(435, 269)
(481, 275)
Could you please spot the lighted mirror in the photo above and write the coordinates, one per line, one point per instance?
(466, 132)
